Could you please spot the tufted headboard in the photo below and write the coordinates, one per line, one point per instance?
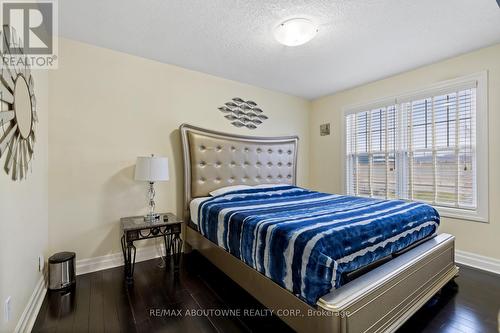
(213, 160)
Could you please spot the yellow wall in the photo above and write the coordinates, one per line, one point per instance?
(24, 218)
(325, 152)
(106, 108)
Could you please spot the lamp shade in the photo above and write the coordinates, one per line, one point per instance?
(151, 169)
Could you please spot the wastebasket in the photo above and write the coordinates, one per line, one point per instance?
(62, 270)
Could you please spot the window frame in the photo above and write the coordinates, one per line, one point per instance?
(481, 213)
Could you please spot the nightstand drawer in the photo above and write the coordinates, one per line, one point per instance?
(176, 229)
(132, 235)
(173, 229)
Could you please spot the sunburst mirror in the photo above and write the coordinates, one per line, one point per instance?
(18, 108)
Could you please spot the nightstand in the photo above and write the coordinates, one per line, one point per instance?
(135, 228)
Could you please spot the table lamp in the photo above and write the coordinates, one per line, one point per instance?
(151, 169)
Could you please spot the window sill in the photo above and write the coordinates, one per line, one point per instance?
(455, 213)
(462, 214)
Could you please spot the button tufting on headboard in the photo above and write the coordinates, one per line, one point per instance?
(216, 160)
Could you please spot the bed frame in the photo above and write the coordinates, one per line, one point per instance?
(378, 301)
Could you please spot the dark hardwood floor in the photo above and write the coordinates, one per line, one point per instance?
(102, 302)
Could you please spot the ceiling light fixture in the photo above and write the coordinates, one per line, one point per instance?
(295, 31)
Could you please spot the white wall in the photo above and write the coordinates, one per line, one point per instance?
(325, 152)
(24, 219)
(106, 108)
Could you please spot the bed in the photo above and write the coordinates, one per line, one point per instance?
(373, 292)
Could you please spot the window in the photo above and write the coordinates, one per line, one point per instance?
(425, 146)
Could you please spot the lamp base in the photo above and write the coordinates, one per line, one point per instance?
(152, 217)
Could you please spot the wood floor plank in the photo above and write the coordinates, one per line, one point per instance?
(135, 298)
(224, 321)
(82, 307)
(125, 317)
(190, 321)
(96, 313)
(110, 290)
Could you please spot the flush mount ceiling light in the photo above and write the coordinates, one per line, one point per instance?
(296, 31)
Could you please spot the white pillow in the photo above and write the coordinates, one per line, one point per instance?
(226, 189)
(270, 185)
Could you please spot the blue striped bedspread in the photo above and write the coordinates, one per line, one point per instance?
(305, 240)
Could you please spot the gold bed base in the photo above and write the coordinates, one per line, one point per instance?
(378, 301)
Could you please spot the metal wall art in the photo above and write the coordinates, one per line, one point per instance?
(18, 108)
(243, 113)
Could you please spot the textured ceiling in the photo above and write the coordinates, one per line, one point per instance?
(358, 41)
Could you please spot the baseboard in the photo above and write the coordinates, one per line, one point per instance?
(84, 266)
(28, 317)
(477, 261)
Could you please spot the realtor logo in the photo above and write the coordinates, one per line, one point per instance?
(29, 30)
(33, 23)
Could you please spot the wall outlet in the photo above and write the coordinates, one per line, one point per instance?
(41, 263)
(7, 309)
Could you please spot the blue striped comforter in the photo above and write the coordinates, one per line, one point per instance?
(305, 240)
